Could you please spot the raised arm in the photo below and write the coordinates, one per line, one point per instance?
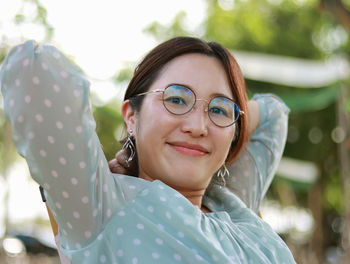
(46, 99)
(252, 172)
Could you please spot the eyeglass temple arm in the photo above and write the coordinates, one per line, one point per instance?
(152, 91)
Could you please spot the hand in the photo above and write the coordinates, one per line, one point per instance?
(120, 166)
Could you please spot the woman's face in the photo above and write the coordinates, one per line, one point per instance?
(183, 151)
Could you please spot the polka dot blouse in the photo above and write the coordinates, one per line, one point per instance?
(110, 218)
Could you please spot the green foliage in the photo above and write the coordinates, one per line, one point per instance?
(176, 28)
(287, 28)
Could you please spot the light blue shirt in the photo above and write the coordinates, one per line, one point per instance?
(110, 218)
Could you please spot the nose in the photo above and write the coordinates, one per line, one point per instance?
(196, 121)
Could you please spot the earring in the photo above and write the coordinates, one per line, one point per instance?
(220, 175)
(129, 145)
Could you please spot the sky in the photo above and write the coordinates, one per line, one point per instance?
(101, 36)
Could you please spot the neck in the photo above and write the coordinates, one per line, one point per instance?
(194, 196)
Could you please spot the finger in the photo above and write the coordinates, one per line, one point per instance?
(122, 157)
(115, 167)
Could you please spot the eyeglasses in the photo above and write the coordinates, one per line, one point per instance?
(179, 100)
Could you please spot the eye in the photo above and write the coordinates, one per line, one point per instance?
(218, 111)
(176, 100)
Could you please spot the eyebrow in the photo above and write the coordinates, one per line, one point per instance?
(213, 95)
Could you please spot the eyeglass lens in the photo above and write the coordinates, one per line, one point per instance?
(180, 100)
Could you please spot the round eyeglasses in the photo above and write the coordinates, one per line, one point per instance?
(179, 100)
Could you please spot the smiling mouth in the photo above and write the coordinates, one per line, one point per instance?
(189, 149)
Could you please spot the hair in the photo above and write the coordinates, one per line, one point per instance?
(152, 64)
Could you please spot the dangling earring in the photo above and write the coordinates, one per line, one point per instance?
(129, 145)
(220, 175)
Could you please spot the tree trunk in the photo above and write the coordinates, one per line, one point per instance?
(344, 158)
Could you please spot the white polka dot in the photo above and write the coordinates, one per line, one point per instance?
(65, 232)
(51, 139)
(76, 93)
(187, 221)
(12, 103)
(44, 66)
(85, 199)
(105, 188)
(39, 118)
(160, 226)
(54, 174)
(198, 257)
(259, 159)
(46, 186)
(168, 215)
(162, 198)
(180, 208)
(70, 146)
(67, 110)
(17, 82)
(137, 241)
(25, 62)
(58, 205)
(64, 74)
(121, 213)
(48, 103)
(43, 153)
(78, 246)
(59, 125)
(76, 214)
(103, 258)
(87, 234)
(180, 234)
(135, 261)
(150, 209)
(120, 231)
(31, 135)
(20, 119)
(87, 253)
(63, 161)
(65, 194)
(69, 225)
(27, 99)
(145, 192)
(74, 181)
(56, 88)
(109, 213)
(100, 237)
(155, 255)
(159, 241)
(161, 187)
(177, 257)
(78, 129)
(36, 80)
(132, 187)
(120, 253)
(140, 226)
(82, 164)
(178, 195)
(215, 258)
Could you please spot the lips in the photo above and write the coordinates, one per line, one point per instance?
(189, 149)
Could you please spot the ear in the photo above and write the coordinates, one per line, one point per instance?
(129, 115)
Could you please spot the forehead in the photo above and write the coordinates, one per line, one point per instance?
(205, 75)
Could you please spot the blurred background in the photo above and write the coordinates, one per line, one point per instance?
(297, 49)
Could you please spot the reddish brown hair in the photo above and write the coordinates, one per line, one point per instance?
(150, 67)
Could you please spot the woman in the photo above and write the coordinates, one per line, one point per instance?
(187, 118)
